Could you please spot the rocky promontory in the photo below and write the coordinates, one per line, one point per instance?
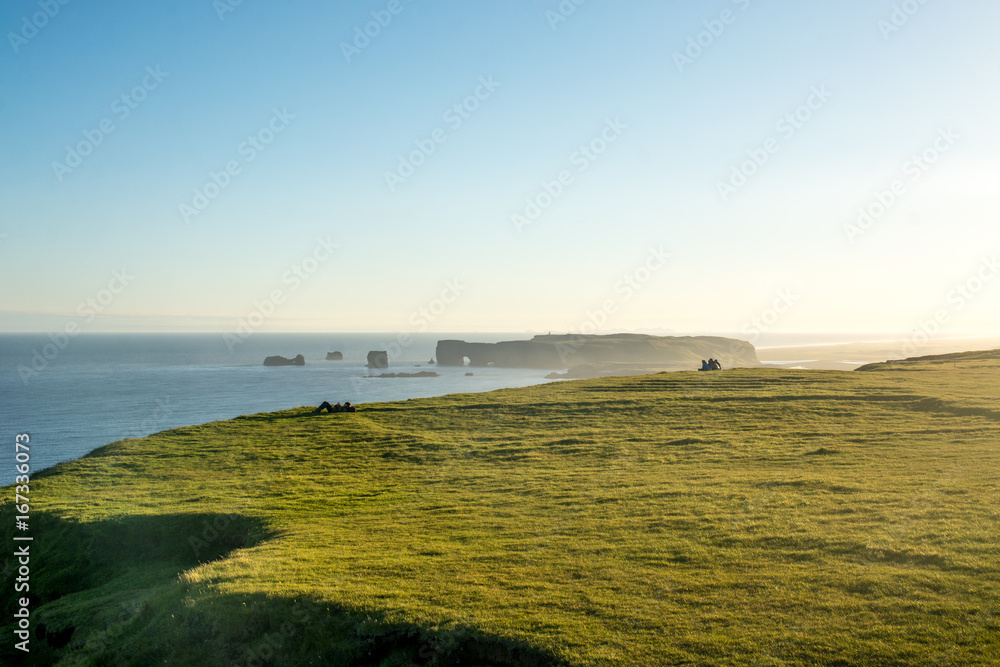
(600, 355)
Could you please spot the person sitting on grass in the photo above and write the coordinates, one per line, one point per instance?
(713, 364)
(704, 366)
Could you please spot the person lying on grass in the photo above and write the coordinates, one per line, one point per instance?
(346, 407)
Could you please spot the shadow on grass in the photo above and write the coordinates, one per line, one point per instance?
(258, 630)
(67, 557)
(113, 592)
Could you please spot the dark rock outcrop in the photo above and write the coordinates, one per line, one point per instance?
(299, 360)
(334, 356)
(565, 351)
(378, 359)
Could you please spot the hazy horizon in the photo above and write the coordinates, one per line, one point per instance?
(852, 336)
(490, 167)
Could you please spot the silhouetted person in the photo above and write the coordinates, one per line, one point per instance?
(714, 365)
(346, 407)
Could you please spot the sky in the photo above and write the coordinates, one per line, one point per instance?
(532, 165)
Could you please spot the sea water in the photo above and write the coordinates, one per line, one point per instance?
(100, 388)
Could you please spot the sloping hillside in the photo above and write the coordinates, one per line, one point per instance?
(751, 516)
(974, 359)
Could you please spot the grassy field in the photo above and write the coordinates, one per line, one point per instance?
(751, 516)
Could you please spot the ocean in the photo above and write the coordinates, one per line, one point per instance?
(100, 388)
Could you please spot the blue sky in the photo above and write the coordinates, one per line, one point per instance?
(873, 83)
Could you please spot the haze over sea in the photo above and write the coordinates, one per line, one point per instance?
(101, 388)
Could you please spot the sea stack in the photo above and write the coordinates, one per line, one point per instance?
(276, 360)
(378, 359)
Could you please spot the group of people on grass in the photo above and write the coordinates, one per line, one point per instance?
(710, 365)
(346, 407)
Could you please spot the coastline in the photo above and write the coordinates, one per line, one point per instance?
(131, 392)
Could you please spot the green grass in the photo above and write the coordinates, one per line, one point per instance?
(751, 516)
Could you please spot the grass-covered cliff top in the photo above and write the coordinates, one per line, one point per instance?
(976, 359)
(750, 516)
